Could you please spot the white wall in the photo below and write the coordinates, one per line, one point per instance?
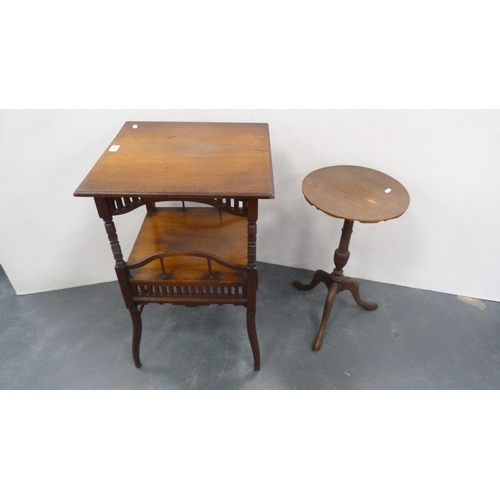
(448, 160)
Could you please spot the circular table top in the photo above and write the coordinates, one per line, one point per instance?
(355, 193)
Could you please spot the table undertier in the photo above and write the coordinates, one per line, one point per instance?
(191, 253)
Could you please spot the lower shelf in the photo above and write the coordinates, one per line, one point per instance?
(213, 272)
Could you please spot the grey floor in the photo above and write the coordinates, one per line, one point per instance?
(80, 338)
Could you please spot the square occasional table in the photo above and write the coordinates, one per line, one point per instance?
(204, 250)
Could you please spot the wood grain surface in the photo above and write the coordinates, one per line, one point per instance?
(356, 193)
(195, 230)
(185, 160)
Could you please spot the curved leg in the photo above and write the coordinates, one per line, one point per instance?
(352, 285)
(136, 337)
(254, 342)
(330, 298)
(319, 277)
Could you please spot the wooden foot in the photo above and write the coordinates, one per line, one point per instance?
(136, 336)
(254, 342)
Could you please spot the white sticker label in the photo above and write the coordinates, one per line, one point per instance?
(134, 126)
(114, 148)
(388, 190)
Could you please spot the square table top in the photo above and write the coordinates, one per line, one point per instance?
(185, 159)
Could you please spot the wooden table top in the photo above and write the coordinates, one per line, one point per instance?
(356, 193)
(184, 159)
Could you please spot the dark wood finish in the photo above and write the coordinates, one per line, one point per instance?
(186, 255)
(351, 193)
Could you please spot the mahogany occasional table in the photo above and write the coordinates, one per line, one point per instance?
(351, 193)
(192, 254)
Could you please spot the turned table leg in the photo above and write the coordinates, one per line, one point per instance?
(336, 282)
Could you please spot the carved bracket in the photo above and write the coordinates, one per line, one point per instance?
(123, 204)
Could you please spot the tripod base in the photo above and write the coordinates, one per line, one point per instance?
(334, 286)
(336, 282)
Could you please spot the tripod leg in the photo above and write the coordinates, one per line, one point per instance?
(319, 277)
(352, 285)
(330, 298)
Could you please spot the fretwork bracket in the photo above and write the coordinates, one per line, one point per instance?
(123, 204)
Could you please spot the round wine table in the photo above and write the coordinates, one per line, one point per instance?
(354, 194)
